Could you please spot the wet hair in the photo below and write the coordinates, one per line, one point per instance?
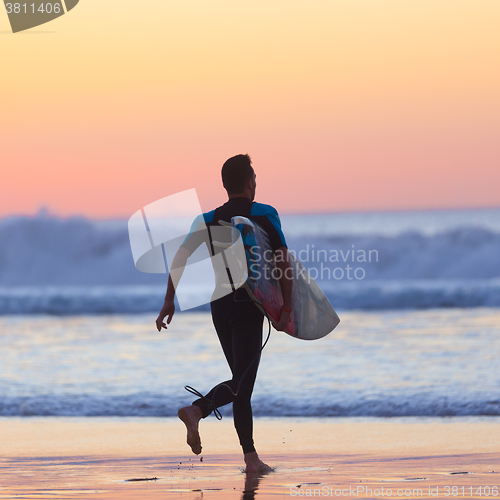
(236, 172)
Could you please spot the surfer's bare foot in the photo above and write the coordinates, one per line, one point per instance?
(191, 416)
(255, 464)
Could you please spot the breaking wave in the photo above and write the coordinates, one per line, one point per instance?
(78, 266)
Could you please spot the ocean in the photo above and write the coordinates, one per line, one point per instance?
(418, 333)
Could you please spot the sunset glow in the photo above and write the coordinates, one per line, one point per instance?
(352, 105)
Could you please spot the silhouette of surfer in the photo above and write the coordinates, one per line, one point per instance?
(237, 320)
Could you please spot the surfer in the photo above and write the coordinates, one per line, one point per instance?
(237, 320)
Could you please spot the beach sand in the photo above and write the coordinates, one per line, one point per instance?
(67, 458)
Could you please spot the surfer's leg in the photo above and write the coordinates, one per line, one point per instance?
(247, 342)
(239, 328)
(220, 395)
(246, 329)
(202, 407)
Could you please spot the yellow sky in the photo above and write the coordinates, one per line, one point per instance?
(343, 105)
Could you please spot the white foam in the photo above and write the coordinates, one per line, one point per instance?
(90, 269)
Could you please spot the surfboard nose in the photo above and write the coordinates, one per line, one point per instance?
(25, 15)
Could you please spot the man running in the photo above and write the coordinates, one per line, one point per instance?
(237, 320)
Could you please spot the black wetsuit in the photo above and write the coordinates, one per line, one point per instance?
(238, 321)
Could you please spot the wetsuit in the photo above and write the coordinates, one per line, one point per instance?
(237, 320)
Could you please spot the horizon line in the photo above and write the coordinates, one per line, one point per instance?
(46, 212)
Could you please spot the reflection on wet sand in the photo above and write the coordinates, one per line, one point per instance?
(146, 458)
(252, 482)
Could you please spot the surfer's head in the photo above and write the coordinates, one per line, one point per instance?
(238, 177)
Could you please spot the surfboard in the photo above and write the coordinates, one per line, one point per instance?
(313, 316)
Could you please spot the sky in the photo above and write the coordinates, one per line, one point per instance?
(343, 105)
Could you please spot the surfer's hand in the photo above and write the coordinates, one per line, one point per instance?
(168, 309)
(283, 322)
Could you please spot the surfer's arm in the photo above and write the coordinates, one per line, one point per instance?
(196, 236)
(286, 283)
(168, 309)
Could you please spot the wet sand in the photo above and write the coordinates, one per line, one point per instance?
(69, 458)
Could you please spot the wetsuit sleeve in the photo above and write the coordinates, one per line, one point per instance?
(267, 217)
(197, 235)
(276, 236)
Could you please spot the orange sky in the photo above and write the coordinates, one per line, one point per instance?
(342, 104)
